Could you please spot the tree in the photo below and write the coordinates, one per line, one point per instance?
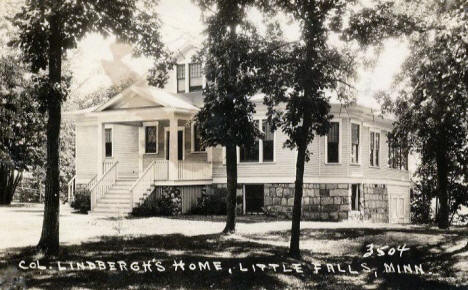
(21, 126)
(297, 77)
(47, 30)
(431, 105)
(226, 117)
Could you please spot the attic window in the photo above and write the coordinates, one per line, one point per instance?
(181, 78)
(195, 77)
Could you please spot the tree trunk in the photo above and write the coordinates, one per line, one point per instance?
(49, 242)
(442, 180)
(231, 173)
(294, 250)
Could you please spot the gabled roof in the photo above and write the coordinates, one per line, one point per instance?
(156, 97)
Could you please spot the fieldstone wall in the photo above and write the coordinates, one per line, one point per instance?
(375, 201)
(319, 201)
(328, 202)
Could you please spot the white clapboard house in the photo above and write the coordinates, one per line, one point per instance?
(143, 138)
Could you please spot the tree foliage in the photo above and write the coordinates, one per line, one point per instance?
(432, 101)
(47, 30)
(226, 117)
(297, 78)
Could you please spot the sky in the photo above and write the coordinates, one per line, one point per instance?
(99, 62)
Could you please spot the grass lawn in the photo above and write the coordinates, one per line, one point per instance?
(255, 257)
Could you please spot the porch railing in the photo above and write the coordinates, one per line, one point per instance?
(160, 170)
(193, 170)
(72, 187)
(106, 164)
(142, 184)
(103, 184)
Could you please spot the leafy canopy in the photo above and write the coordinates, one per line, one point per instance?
(229, 57)
(298, 75)
(131, 21)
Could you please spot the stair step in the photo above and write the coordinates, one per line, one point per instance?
(117, 190)
(114, 201)
(114, 207)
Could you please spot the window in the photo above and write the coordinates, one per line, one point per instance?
(355, 197)
(150, 139)
(374, 149)
(252, 153)
(195, 77)
(197, 146)
(268, 142)
(180, 78)
(354, 143)
(333, 141)
(397, 155)
(108, 142)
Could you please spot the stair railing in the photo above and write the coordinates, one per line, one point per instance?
(71, 189)
(103, 184)
(142, 184)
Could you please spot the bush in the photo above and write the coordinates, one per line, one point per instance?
(82, 201)
(9, 180)
(165, 202)
(211, 204)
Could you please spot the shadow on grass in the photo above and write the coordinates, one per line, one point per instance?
(229, 251)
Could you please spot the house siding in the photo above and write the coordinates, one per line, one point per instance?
(86, 152)
(125, 149)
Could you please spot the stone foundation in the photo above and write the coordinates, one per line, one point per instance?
(327, 202)
(375, 197)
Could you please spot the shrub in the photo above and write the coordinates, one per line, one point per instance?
(211, 204)
(82, 201)
(165, 202)
(9, 180)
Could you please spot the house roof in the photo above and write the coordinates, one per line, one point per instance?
(156, 96)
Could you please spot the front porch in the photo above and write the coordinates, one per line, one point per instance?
(142, 138)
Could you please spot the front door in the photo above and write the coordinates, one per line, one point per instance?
(180, 144)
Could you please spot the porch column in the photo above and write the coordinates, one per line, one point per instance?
(141, 148)
(100, 149)
(173, 126)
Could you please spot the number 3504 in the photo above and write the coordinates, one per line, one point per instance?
(384, 250)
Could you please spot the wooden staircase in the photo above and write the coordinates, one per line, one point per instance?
(116, 200)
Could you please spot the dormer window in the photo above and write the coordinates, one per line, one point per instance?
(181, 78)
(195, 77)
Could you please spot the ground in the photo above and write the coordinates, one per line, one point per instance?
(333, 254)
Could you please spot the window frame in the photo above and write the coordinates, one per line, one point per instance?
(195, 88)
(340, 142)
(192, 140)
(375, 131)
(359, 150)
(260, 148)
(151, 124)
(111, 128)
(181, 90)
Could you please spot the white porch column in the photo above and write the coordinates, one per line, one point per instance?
(173, 126)
(141, 148)
(100, 148)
